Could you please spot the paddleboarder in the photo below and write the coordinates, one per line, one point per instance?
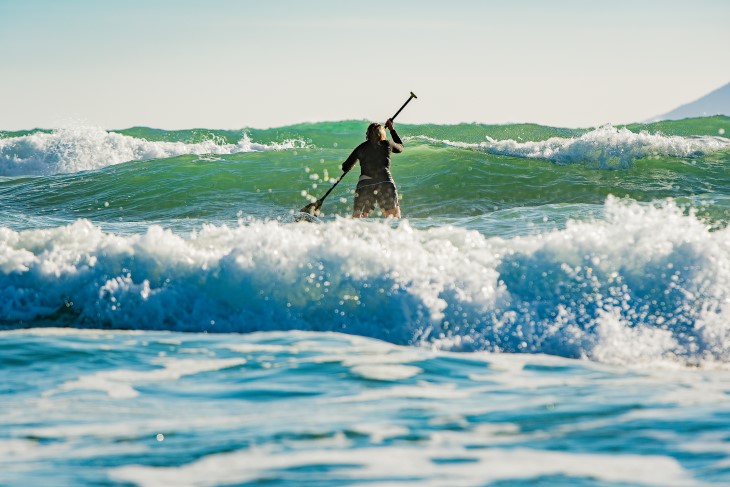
(376, 184)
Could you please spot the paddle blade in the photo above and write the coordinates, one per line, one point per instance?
(312, 208)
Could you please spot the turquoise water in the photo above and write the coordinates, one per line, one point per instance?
(553, 309)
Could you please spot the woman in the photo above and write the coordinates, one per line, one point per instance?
(376, 184)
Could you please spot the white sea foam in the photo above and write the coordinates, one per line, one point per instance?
(645, 283)
(421, 391)
(386, 372)
(415, 466)
(74, 149)
(255, 348)
(607, 147)
(118, 384)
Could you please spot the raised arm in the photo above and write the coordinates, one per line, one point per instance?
(397, 144)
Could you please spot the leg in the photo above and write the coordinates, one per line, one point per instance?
(364, 202)
(387, 195)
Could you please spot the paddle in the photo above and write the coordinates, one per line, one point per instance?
(313, 208)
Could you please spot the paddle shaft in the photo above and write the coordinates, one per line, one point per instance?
(404, 105)
(333, 187)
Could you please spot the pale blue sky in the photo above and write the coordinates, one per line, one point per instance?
(233, 64)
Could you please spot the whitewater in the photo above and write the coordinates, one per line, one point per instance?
(553, 309)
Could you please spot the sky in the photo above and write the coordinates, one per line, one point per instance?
(229, 64)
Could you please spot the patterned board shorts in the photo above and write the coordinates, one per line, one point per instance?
(384, 193)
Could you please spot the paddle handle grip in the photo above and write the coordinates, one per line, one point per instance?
(413, 95)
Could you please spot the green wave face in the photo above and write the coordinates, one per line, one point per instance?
(351, 132)
(447, 173)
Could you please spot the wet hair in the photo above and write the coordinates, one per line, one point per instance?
(376, 132)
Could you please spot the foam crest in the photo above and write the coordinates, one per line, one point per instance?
(414, 465)
(607, 147)
(643, 284)
(74, 149)
(118, 384)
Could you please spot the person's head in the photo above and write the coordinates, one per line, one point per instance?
(375, 133)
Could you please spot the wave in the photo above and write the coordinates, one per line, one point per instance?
(644, 283)
(70, 150)
(606, 147)
(73, 149)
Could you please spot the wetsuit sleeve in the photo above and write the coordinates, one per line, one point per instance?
(397, 144)
(350, 162)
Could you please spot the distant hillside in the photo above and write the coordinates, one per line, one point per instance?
(714, 103)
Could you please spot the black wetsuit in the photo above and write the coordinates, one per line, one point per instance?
(376, 183)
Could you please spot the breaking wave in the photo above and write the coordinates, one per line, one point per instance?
(75, 149)
(607, 147)
(644, 283)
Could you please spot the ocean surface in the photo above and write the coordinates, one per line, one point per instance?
(553, 309)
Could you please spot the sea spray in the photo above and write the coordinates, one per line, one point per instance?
(83, 148)
(648, 271)
(606, 147)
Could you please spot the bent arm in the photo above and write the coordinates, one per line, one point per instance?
(350, 162)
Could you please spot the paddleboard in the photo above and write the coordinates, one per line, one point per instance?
(305, 217)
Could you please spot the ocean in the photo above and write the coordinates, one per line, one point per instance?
(553, 308)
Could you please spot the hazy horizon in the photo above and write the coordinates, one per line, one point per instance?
(225, 64)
